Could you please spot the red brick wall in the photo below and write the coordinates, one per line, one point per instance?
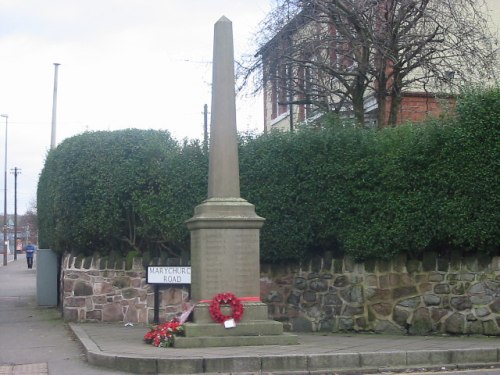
(417, 106)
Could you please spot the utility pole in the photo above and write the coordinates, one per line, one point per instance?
(205, 129)
(15, 171)
(5, 239)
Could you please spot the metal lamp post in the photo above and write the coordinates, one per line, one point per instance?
(15, 171)
(5, 240)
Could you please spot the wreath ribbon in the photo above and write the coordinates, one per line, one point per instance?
(242, 299)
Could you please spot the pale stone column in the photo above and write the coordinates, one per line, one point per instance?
(224, 177)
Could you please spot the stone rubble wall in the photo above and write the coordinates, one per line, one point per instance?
(92, 291)
(452, 295)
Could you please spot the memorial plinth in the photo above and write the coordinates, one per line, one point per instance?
(225, 257)
(225, 229)
(225, 248)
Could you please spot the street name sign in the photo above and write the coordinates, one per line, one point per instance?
(168, 275)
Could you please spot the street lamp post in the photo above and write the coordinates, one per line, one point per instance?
(15, 171)
(5, 240)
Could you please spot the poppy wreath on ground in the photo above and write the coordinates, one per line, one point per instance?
(226, 299)
(163, 335)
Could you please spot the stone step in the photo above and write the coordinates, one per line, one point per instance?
(253, 328)
(219, 341)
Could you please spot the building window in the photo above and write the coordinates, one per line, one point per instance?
(278, 91)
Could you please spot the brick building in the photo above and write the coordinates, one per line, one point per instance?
(295, 94)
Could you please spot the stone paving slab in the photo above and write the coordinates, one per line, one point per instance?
(119, 347)
(25, 369)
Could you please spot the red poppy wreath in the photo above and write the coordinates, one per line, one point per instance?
(226, 299)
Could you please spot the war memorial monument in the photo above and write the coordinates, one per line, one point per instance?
(225, 232)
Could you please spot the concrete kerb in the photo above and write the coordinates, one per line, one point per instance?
(367, 362)
(94, 355)
(181, 366)
(280, 362)
(388, 359)
(334, 361)
(97, 357)
(85, 340)
(487, 355)
(232, 364)
(428, 357)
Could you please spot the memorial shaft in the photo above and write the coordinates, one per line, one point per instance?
(223, 178)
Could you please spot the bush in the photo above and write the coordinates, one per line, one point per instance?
(467, 174)
(121, 191)
(417, 187)
(364, 193)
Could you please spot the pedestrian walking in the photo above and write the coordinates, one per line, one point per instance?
(30, 252)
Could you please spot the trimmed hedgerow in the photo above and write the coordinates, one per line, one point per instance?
(373, 194)
(122, 191)
(364, 193)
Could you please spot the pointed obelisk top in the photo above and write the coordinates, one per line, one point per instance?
(224, 19)
(223, 171)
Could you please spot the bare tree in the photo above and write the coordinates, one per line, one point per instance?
(332, 55)
(29, 224)
(318, 59)
(430, 45)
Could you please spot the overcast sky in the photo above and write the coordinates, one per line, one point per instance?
(124, 63)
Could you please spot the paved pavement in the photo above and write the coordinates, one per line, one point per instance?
(34, 340)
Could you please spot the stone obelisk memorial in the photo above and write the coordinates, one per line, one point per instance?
(225, 229)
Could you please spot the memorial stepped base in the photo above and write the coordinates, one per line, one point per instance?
(235, 339)
(254, 329)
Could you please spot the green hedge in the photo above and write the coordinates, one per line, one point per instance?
(119, 191)
(373, 194)
(366, 193)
